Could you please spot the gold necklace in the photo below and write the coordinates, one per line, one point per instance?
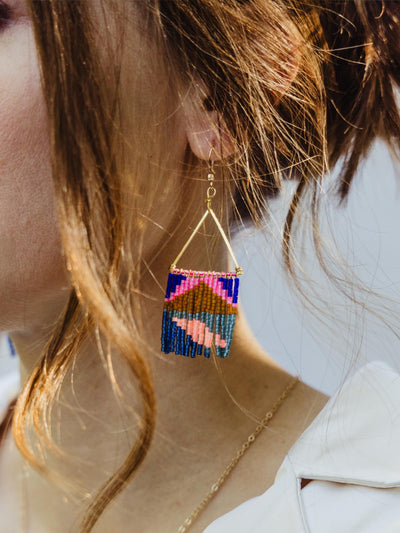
(214, 487)
(246, 445)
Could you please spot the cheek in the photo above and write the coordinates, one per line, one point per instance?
(32, 272)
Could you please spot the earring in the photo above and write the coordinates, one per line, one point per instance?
(200, 307)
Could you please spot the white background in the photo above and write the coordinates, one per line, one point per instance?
(367, 234)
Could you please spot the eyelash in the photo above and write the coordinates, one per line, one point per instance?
(5, 15)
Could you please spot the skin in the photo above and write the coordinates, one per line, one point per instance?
(199, 426)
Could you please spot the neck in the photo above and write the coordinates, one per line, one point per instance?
(202, 406)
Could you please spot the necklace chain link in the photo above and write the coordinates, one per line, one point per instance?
(215, 486)
(246, 445)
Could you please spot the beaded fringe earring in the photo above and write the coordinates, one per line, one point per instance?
(200, 307)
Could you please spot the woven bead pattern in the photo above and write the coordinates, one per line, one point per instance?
(199, 309)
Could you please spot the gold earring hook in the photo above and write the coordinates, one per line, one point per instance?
(210, 161)
(211, 192)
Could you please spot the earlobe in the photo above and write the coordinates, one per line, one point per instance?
(203, 135)
(205, 129)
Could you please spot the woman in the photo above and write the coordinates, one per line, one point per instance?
(113, 113)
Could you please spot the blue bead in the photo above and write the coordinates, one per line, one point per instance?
(11, 345)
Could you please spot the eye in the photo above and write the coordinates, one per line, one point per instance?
(5, 15)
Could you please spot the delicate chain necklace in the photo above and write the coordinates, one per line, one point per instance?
(214, 488)
(250, 439)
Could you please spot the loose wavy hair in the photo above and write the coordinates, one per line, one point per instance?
(346, 56)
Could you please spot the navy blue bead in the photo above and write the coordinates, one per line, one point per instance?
(11, 345)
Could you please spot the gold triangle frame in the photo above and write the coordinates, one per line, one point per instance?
(210, 195)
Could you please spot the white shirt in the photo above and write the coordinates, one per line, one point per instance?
(352, 450)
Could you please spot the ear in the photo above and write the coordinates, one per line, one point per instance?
(206, 133)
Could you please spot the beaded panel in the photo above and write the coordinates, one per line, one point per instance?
(199, 309)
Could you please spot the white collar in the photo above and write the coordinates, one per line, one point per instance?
(356, 436)
(354, 439)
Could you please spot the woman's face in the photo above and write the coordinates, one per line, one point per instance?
(33, 278)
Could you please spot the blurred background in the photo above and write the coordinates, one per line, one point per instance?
(321, 344)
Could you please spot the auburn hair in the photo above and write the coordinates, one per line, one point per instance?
(347, 59)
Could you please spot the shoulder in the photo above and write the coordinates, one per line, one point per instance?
(349, 453)
(356, 437)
